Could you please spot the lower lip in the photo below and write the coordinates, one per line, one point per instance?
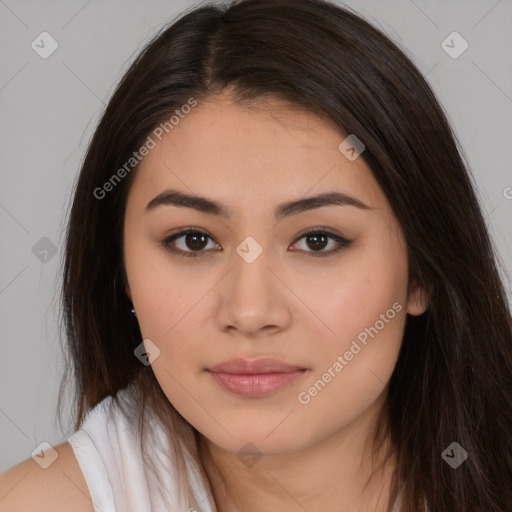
(257, 384)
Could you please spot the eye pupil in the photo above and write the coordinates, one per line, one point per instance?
(316, 238)
(194, 236)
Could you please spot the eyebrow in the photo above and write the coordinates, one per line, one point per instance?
(212, 207)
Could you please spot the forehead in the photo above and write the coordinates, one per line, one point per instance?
(241, 154)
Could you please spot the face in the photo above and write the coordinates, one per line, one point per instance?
(251, 282)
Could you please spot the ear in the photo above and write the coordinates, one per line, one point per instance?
(417, 301)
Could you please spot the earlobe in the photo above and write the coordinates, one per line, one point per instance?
(417, 302)
(128, 292)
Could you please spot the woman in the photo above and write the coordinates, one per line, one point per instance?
(279, 290)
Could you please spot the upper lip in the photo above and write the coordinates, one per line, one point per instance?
(248, 366)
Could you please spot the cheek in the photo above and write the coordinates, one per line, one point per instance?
(364, 308)
(165, 293)
(355, 370)
(352, 297)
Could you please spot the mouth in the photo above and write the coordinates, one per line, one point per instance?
(254, 378)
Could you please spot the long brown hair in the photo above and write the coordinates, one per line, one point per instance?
(453, 377)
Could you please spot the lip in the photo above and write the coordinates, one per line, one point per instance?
(255, 377)
(253, 366)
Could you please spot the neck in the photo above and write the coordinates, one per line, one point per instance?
(338, 473)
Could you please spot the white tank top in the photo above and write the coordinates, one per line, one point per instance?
(110, 457)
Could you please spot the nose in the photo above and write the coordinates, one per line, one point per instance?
(253, 298)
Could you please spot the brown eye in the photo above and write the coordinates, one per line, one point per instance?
(317, 240)
(194, 241)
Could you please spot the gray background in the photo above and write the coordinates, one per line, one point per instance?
(51, 106)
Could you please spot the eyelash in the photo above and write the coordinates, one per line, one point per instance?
(342, 242)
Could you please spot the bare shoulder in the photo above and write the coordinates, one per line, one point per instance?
(58, 488)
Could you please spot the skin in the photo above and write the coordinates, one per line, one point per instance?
(204, 310)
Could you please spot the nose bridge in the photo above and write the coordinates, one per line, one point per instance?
(252, 296)
(251, 276)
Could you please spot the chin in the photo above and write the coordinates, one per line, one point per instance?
(250, 440)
